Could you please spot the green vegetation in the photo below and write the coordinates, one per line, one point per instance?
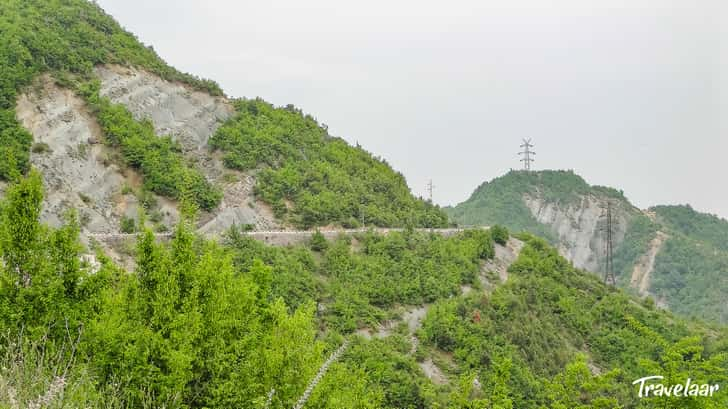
(160, 160)
(62, 36)
(313, 179)
(689, 268)
(293, 275)
(318, 242)
(690, 275)
(407, 268)
(500, 234)
(695, 225)
(400, 268)
(530, 341)
(128, 225)
(199, 324)
(376, 374)
(41, 148)
(185, 330)
(640, 231)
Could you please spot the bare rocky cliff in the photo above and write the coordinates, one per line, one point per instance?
(190, 117)
(186, 115)
(79, 174)
(579, 226)
(72, 163)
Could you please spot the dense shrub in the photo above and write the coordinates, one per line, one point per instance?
(318, 242)
(529, 335)
(200, 325)
(185, 330)
(128, 225)
(500, 201)
(698, 226)
(399, 268)
(499, 234)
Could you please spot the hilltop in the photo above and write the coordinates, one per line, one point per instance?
(672, 253)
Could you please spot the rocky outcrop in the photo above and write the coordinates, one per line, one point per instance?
(79, 173)
(190, 117)
(579, 226)
(239, 207)
(504, 257)
(76, 171)
(175, 109)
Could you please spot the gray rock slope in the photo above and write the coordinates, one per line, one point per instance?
(77, 171)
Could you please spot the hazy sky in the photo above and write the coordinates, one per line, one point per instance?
(628, 93)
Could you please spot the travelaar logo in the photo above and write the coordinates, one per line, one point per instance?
(687, 389)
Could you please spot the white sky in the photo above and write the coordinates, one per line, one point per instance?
(628, 93)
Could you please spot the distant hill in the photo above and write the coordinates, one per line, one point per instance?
(674, 253)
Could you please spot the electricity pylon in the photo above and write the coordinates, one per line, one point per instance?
(527, 154)
(609, 278)
(430, 186)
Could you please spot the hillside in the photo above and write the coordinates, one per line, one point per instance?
(673, 253)
(147, 137)
(479, 319)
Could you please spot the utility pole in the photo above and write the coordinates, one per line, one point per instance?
(430, 186)
(609, 278)
(527, 154)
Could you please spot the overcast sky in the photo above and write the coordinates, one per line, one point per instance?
(628, 93)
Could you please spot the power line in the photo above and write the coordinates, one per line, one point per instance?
(527, 154)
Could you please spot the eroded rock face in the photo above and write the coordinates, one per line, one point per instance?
(76, 168)
(578, 227)
(504, 257)
(190, 117)
(75, 171)
(643, 267)
(239, 207)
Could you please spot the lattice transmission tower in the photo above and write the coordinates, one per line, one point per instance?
(527, 154)
(430, 187)
(609, 278)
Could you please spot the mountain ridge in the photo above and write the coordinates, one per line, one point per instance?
(562, 207)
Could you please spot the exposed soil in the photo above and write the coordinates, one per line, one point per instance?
(644, 266)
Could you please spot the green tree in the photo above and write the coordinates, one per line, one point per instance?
(318, 242)
(499, 234)
(23, 233)
(577, 388)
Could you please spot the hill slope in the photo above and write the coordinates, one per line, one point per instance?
(670, 252)
(142, 134)
(457, 322)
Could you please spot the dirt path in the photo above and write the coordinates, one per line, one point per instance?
(433, 372)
